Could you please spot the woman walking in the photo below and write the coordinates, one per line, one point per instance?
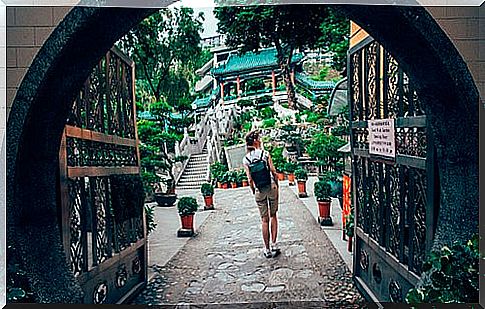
(264, 185)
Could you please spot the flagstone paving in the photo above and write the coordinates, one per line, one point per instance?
(224, 262)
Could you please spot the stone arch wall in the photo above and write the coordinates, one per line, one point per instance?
(46, 91)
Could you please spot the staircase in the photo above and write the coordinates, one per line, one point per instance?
(194, 174)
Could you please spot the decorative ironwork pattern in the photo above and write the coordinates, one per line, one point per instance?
(371, 81)
(356, 101)
(419, 219)
(393, 197)
(121, 276)
(394, 229)
(81, 152)
(411, 142)
(99, 190)
(77, 252)
(360, 136)
(100, 293)
(395, 291)
(105, 103)
(391, 80)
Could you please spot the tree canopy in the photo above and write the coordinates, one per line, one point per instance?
(167, 41)
(287, 28)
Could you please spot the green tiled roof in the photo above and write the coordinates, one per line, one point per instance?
(202, 102)
(307, 82)
(147, 115)
(249, 61)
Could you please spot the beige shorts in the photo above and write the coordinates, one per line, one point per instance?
(267, 198)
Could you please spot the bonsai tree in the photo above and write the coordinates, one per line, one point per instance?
(207, 189)
(322, 191)
(187, 206)
(301, 174)
(290, 167)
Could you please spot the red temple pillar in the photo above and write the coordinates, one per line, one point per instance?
(273, 80)
(222, 92)
(238, 88)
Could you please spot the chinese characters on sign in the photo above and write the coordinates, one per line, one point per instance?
(381, 137)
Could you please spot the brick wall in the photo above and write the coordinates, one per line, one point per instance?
(27, 30)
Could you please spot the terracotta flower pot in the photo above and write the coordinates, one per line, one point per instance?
(349, 244)
(224, 186)
(291, 179)
(302, 188)
(245, 183)
(187, 222)
(234, 185)
(209, 201)
(281, 176)
(324, 209)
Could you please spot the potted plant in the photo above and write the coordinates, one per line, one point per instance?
(349, 230)
(290, 168)
(224, 179)
(322, 191)
(301, 176)
(217, 170)
(244, 178)
(187, 206)
(233, 178)
(207, 191)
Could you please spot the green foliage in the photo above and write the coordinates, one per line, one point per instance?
(287, 27)
(150, 218)
(267, 112)
(217, 170)
(247, 126)
(263, 101)
(269, 123)
(301, 174)
(242, 175)
(245, 103)
(255, 84)
(335, 30)
(207, 189)
(324, 148)
(166, 37)
(290, 167)
(187, 206)
(322, 190)
(349, 225)
(450, 275)
(277, 158)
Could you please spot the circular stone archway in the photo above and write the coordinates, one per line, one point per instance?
(44, 99)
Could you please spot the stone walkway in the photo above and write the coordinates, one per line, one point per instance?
(224, 264)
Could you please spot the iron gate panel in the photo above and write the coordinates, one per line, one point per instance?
(394, 199)
(101, 192)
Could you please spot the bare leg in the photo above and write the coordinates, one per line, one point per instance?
(274, 229)
(265, 225)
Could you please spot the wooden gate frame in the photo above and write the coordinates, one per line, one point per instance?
(113, 273)
(395, 277)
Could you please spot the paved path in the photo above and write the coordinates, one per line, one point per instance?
(224, 263)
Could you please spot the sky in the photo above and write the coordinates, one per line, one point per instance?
(207, 7)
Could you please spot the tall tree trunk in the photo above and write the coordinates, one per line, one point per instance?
(290, 90)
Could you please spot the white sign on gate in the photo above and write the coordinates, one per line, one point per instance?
(381, 137)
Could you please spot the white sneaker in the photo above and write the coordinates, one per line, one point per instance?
(267, 253)
(275, 250)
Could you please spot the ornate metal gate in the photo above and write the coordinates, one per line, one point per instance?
(395, 199)
(101, 193)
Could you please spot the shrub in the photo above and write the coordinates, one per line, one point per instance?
(290, 167)
(267, 113)
(187, 206)
(217, 169)
(241, 175)
(247, 126)
(245, 103)
(322, 191)
(277, 158)
(349, 225)
(207, 189)
(269, 123)
(150, 218)
(449, 275)
(301, 174)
